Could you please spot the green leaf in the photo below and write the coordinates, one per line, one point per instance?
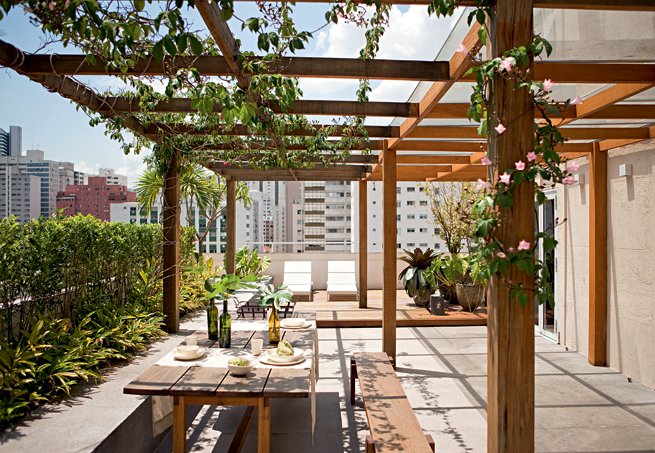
(158, 51)
(139, 5)
(196, 45)
(182, 41)
(169, 45)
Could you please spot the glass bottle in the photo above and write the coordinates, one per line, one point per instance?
(225, 338)
(212, 320)
(274, 326)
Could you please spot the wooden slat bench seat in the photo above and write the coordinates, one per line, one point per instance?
(391, 419)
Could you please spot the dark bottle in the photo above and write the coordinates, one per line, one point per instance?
(212, 320)
(225, 338)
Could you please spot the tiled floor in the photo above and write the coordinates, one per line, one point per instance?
(443, 370)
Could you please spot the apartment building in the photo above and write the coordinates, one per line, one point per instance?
(94, 198)
(20, 194)
(11, 143)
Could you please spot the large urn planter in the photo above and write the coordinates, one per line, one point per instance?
(470, 296)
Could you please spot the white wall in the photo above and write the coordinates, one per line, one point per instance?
(631, 263)
(320, 264)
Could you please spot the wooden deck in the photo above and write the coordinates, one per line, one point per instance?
(348, 313)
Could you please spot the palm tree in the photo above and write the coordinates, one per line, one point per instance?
(197, 185)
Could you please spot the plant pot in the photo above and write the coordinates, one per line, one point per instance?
(470, 296)
(449, 293)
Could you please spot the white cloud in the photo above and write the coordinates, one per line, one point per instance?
(131, 166)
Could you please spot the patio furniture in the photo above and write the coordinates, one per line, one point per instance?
(207, 381)
(391, 419)
(247, 303)
(341, 282)
(298, 278)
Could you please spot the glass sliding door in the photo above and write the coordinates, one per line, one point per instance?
(545, 322)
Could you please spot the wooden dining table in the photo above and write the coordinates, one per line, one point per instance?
(200, 382)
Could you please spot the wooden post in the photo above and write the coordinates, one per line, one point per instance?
(510, 361)
(390, 253)
(363, 244)
(231, 213)
(171, 245)
(598, 257)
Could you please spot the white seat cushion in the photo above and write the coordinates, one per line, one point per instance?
(341, 267)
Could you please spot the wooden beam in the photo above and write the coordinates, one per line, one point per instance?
(606, 98)
(171, 244)
(363, 244)
(301, 107)
(459, 64)
(220, 32)
(430, 160)
(510, 352)
(390, 253)
(318, 67)
(363, 144)
(239, 129)
(10, 57)
(572, 133)
(598, 257)
(231, 218)
(299, 175)
(617, 111)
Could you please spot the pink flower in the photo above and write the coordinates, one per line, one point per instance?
(505, 178)
(520, 165)
(482, 184)
(485, 161)
(500, 128)
(462, 49)
(548, 85)
(507, 63)
(572, 167)
(523, 245)
(224, 163)
(501, 255)
(568, 180)
(576, 101)
(532, 156)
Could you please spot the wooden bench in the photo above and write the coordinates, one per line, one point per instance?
(391, 419)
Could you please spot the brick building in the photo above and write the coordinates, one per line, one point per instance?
(93, 198)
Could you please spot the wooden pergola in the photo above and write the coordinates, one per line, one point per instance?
(412, 151)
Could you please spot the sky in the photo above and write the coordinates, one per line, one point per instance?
(53, 124)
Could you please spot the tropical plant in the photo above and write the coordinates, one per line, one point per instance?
(225, 286)
(272, 296)
(413, 276)
(197, 188)
(248, 262)
(192, 284)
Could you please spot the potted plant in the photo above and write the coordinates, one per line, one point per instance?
(413, 276)
(471, 283)
(223, 288)
(274, 297)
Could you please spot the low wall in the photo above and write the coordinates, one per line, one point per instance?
(320, 266)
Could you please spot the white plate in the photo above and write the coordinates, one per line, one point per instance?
(265, 359)
(273, 357)
(284, 325)
(186, 357)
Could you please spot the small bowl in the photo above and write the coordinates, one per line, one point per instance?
(295, 322)
(239, 370)
(187, 350)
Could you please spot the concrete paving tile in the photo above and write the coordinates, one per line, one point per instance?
(622, 439)
(571, 362)
(463, 331)
(421, 366)
(439, 393)
(585, 417)
(564, 390)
(455, 430)
(617, 387)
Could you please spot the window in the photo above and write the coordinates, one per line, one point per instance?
(437, 246)
(397, 189)
(398, 217)
(423, 216)
(436, 230)
(423, 244)
(423, 203)
(299, 211)
(411, 216)
(411, 189)
(421, 189)
(411, 244)
(422, 230)
(399, 245)
(411, 203)
(299, 222)
(411, 230)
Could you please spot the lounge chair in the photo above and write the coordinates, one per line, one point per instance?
(298, 278)
(341, 282)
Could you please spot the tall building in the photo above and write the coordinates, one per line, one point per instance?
(415, 227)
(321, 217)
(11, 143)
(112, 177)
(93, 198)
(20, 193)
(268, 213)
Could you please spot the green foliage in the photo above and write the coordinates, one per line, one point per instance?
(225, 286)
(193, 294)
(270, 295)
(248, 262)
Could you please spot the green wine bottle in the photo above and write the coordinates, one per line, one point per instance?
(212, 320)
(225, 339)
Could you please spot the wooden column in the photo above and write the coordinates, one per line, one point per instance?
(231, 213)
(389, 251)
(171, 245)
(510, 362)
(363, 244)
(598, 257)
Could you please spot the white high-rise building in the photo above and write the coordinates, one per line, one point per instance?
(20, 193)
(11, 143)
(413, 218)
(112, 177)
(268, 215)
